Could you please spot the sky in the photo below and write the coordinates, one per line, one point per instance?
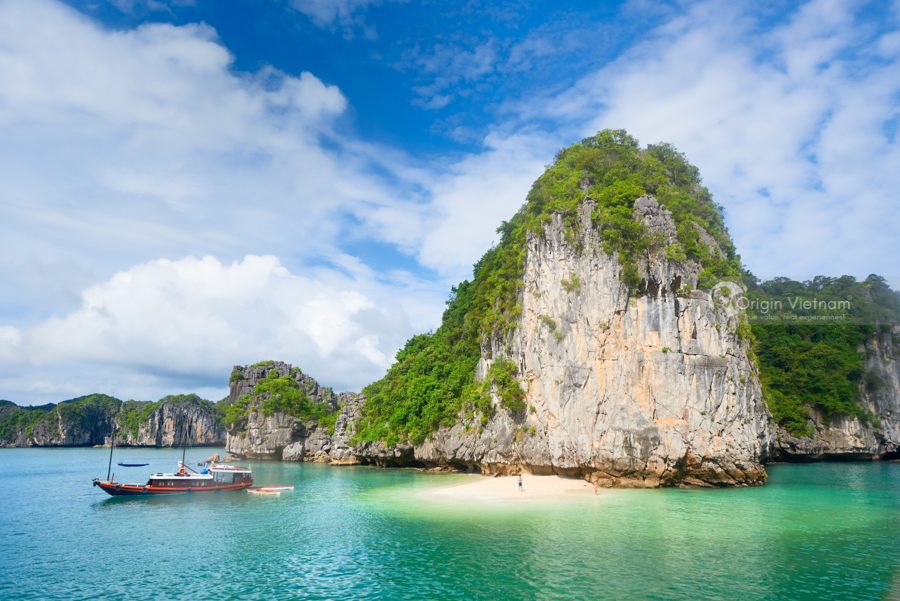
(189, 185)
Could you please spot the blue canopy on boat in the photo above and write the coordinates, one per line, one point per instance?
(124, 464)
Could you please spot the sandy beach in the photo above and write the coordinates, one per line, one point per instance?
(506, 488)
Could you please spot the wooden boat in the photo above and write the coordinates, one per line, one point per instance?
(263, 491)
(280, 488)
(217, 477)
(212, 478)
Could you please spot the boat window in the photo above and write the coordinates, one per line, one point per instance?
(224, 478)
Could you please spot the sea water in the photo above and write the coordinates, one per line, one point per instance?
(822, 531)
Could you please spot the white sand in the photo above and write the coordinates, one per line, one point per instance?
(506, 488)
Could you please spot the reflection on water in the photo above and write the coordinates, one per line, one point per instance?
(826, 531)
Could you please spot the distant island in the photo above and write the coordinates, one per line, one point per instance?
(612, 335)
(90, 420)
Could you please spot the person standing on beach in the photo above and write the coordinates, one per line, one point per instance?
(520, 482)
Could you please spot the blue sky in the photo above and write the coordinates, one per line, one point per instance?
(190, 185)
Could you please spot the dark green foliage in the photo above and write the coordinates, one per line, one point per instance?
(873, 381)
(572, 284)
(14, 419)
(134, 413)
(234, 412)
(675, 253)
(548, 321)
(816, 364)
(268, 363)
(427, 387)
(502, 373)
(285, 396)
(236, 376)
(433, 381)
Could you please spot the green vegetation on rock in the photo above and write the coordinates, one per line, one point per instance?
(14, 419)
(502, 373)
(79, 412)
(281, 394)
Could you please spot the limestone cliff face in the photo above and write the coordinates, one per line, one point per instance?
(631, 390)
(850, 438)
(172, 422)
(281, 436)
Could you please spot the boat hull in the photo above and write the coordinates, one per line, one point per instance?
(132, 490)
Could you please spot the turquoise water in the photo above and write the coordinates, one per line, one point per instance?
(824, 531)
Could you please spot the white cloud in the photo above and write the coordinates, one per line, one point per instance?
(479, 192)
(325, 12)
(120, 147)
(447, 65)
(348, 14)
(197, 317)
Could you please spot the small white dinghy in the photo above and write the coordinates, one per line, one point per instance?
(260, 491)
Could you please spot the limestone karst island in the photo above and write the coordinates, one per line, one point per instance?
(596, 341)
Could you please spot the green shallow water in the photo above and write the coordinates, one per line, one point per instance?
(823, 531)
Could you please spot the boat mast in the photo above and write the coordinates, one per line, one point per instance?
(112, 444)
(184, 442)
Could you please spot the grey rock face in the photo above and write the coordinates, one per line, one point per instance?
(283, 437)
(647, 390)
(648, 212)
(171, 423)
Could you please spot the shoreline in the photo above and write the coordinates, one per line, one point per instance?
(506, 488)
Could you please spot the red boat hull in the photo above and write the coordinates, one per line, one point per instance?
(134, 490)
